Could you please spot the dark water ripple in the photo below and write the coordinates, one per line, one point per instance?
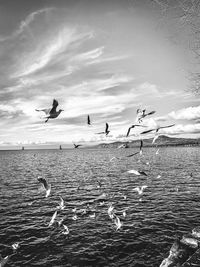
(169, 206)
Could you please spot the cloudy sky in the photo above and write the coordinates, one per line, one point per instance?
(103, 58)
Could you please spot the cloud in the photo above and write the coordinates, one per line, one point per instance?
(182, 129)
(190, 113)
(25, 23)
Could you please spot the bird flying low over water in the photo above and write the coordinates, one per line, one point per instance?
(76, 146)
(61, 205)
(106, 130)
(66, 230)
(118, 223)
(46, 186)
(88, 120)
(140, 189)
(3, 261)
(133, 126)
(157, 129)
(51, 113)
(53, 218)
(137, 172)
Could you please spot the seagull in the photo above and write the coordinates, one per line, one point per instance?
(66, 230)
(76, 146)
(142, 114)
(106, 130)
(60, 222)
(53, 218)
(110, 211)
(46, 186)
(75, 217)
(155, 138)
(157, 129)
(3, 261)
(157, 152)
(51, 113)
(140, 189)
(118, 223)
(61, 206)
(88, 120)
(134, 125)
(137, 172)
(15, 246)
(92, 215)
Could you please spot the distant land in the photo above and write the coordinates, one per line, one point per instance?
(162, 140)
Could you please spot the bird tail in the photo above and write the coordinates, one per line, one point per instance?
(47, 120)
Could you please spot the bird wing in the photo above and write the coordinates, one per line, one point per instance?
(43, 181)
(45, 110)
(106, 127)
(54, 106)
(151, 113)
(128, 131)
(144, 186)
(148, 131)
(168, 126)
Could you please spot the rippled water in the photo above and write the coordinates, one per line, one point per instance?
(169, 206)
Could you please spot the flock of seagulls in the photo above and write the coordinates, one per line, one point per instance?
(116, 219)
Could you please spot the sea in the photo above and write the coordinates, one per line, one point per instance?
(90, 181)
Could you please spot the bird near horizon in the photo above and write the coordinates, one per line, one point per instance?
(158, 128)
(88, 120)
(51, 113)
(76, 146)
(106, 132)
(46, 186)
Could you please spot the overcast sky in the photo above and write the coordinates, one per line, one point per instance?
(102, 58)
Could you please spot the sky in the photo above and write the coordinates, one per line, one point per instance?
(102, 58)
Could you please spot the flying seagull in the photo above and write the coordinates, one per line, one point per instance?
(46, 186)
(51, 113)
(66, 230)
(137, 172)
(157, 129)
(118, 223)
(61, 205)
(106, 130)
(88, 120)
(132, 126)
(76, 146)
(142, 114)
(3, 261)
(140, 189)
(53, 218)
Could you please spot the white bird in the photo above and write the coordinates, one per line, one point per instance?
(75, 217)
(92, 215)
(118, 223)
(51, 113)
(15, 246)
(137, 172)
(61, 206)
(110, 211)
(140, 189)
(46, 186)
(60, 222)
(155, 138)
(53, 218)
(158, 176)
(3, 261)
(124, 213)
(157, 152)
(66, 230)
